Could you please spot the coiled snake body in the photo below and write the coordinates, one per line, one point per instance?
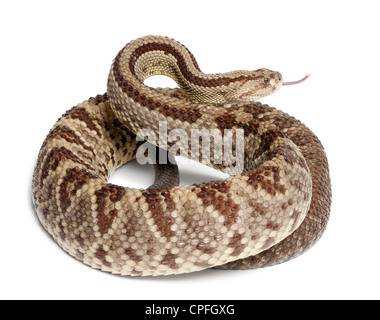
(272, 211)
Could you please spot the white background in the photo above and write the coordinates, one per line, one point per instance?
(56, 54)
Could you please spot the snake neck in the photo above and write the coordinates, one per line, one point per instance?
(154, 55)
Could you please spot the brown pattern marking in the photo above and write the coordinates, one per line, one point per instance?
(132, 255)
(55, 157)
(257, 209)
(156, 200)
(61, 234)
(131, 227)
(101, 255)
(45, 212)
(268, 178)
(84, 116)
(217, 195)
(113, 194)
(295, 215)
(77, 178)
(273, 225)
(169, 260)
(228, 121)
(117, 132)
(257, 109)
(236, 243)
(206, 248)
(100, 98)
(189, 113)
(68, 135)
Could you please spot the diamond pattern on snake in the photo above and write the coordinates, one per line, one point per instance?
(273, 207)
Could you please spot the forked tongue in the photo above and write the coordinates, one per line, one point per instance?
(296, 82)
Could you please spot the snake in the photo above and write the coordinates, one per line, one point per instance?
(269, 210)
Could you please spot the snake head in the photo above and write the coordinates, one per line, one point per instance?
(257, 84)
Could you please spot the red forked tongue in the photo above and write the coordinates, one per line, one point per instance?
(296, 82)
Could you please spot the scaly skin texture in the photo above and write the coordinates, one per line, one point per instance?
(271, 212)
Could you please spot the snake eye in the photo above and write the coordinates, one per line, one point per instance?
(266, 80)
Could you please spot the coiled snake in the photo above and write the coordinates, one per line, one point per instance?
(272, 210)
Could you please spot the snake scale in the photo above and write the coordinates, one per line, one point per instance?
(270, 212)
